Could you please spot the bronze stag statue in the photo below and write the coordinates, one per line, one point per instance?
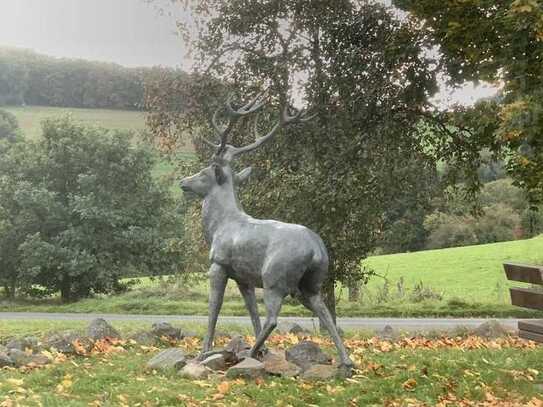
(282, 258)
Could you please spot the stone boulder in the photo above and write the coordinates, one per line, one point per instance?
(173, 358)
(194, 370)
(275, 363)
(65, 342)
(388, 333)
(291, 328)
(307, 353)
(161, 329)
(144, 338)
(215, 362)
(100, 329)
(5, 360)
(248, 368)
(320, 372)
(22, 344)
(21, 358)
(491, 330)
(236, 345)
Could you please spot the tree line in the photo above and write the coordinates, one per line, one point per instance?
(30, 78)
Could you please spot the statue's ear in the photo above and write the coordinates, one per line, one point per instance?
(243, 175)
(219, 174)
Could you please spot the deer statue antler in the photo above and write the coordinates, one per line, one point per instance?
(228, 152)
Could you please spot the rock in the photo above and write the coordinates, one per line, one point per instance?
(144, 338)
(236, 345)
(5, 360)
(291, 328)
(100, 329)
(248, 368)
(173, 358)
(161, 329)
(21, 358)
(307, 353)
(22, 344)
(64, 342)
(215, 362)
(194, 371)
(275, 363)
(491, 329)
(387, 333)
(320, 372)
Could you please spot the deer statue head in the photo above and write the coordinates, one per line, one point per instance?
(219, 173)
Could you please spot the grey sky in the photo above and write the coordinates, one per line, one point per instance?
(128, 32)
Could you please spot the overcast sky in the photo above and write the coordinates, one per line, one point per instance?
(128, 32)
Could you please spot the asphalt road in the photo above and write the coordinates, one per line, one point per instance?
(371, 324)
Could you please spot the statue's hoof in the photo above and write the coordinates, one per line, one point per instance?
(345, 370)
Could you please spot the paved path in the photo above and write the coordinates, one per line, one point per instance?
(403, 324)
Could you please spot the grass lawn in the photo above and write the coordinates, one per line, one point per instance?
(415, 372)
(471, 273)
(471, 279)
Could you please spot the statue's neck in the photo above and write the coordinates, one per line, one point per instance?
(220, 206)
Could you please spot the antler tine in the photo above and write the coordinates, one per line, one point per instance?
(254, 105)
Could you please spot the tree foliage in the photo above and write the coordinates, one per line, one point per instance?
(34, 79)
(81, 209)
(363, 73)
(501, 42)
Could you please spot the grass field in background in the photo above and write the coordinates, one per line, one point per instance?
(471, 278)
(30, 118)
(473, 273)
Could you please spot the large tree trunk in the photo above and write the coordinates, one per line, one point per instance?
(330, 297)
(66, 289)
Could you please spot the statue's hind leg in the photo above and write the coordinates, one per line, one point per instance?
(315, 303)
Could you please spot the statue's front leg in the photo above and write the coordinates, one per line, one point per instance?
(217, 285)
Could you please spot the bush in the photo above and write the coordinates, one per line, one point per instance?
(449, 230)
(9, 128)
(82, 209)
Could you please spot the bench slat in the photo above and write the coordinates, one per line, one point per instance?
(524, 273)
(531, 326)
(527, 298)
(531, 336)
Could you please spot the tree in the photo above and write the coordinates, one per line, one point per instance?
(500, 42)
(81, 210)
(9, 128)
(363, 73)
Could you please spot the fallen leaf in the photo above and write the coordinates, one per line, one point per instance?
(409, 384)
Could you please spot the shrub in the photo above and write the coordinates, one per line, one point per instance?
(82, 210)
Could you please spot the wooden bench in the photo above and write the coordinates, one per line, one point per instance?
(527, 297)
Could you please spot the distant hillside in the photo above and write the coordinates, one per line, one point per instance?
(29, 78)
(472, 273)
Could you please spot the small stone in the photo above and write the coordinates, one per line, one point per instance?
(307, 353)
(215, 362)
(161, 329)
(21, 358)
(100, 329)
(5, 360)
(22, 344)
(144, 338)
(491, 329)
(387, 333)
(275, 363)
(291, 328)
(236, 345)
(248, 368)
(173, 358)
(320, 372)
(63, 342)
(194, 371)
